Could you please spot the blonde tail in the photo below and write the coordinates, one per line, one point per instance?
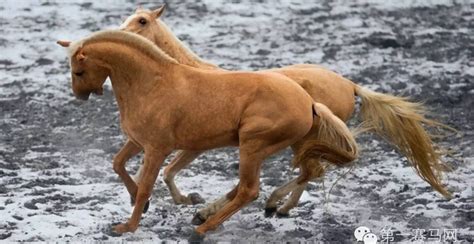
(401, 123)
(330, 139)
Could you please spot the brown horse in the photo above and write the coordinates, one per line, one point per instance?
(165, 105)
(395, 118)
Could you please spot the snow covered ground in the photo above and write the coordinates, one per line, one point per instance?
(56, 177)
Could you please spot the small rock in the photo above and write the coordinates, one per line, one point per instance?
(86, 5)
(383, 40)
(405, 188)
(398, 85)
(263, 52)
(4, 236)
(5, 62)
(421, 201)
(30, 205)
(3, 189)
(17, 217)
(44, 61)
(447, 205)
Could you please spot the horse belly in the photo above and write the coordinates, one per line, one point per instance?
(206, 134)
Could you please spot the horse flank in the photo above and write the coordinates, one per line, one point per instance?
(140, 43)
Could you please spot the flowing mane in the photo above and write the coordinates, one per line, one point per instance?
(142, 44)
(183, 46)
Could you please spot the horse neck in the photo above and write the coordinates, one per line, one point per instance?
(169, 43)
(132, 73)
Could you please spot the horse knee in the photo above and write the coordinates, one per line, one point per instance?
(117, 165)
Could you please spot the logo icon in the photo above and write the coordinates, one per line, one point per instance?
(370, 238)
(363, 234)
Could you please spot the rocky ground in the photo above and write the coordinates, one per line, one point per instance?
(56, 177)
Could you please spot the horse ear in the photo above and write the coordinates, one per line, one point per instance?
(157, 12)
(64, 43)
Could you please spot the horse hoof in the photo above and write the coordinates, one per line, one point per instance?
(196, 238)
(196, 198)
(269, 212)
(282, 215)
(198, 219)
(147, 205)
(110, 230)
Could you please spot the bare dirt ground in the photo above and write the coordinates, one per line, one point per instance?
(56, 177)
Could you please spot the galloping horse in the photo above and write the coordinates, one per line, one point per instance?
(165, 105)
(394, 118)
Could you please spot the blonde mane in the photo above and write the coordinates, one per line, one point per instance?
(175, 39)
(141, 43)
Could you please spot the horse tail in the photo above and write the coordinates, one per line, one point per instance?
(329, 139)
(401, 123)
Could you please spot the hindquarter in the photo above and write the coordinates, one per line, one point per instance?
(279, 114)
(324, 86)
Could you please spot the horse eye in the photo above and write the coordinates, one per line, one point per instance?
(80, 73)
(142, 21)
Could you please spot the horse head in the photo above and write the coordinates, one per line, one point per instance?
(143, 21)
(86, 74)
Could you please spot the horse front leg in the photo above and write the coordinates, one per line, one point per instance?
(128, 150)
(182, 159)
(153, 161)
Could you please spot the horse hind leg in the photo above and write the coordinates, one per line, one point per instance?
(309, 170)
(245, 192)
(329, 139)
(255, 146)
(277, 195)
(292, 201)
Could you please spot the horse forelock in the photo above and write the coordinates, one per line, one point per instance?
(141, 43)
(73, 47)
(128, 20)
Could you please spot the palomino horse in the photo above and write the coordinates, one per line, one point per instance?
(165, 105)
(395, 118)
